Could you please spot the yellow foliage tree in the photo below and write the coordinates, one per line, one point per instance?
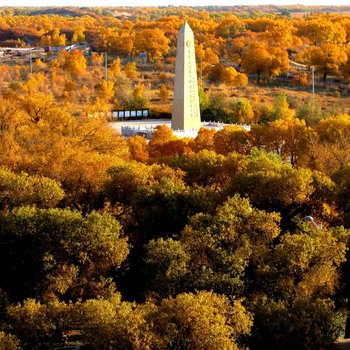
(232, 78)
(115, 68)
(153, 42)
(105, 89)
(78, 34)
(55, 39)
(260, 59)
(163, 93)
(321, 30)
(232, 139)
(130, 70)
(204, 140)
(74, 62)
(327, 58)
(138, 148)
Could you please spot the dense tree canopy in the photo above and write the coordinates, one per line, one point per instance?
(238, 238)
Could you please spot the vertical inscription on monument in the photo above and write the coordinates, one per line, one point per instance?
(191, 79)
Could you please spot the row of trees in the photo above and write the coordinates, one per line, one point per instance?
(175, 243)
(71, 78)
(262, 46)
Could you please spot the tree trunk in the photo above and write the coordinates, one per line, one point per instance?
(347, 324)
(346, 273)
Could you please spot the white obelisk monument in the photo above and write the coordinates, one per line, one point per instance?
(186, 113)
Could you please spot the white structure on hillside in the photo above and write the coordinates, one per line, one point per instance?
(186, 113)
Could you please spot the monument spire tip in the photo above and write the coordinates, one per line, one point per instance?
(186, 23)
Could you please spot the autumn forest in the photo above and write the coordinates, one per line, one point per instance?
(236, 239)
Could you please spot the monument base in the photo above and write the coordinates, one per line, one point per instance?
(147, 127)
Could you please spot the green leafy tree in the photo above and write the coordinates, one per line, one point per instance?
(112, 323)
(8, 342)
(205, 168)
(271, 184)
(57, 253)
(163, 208)
(125, 179)
(293, 273)
(305, 324)
(23, 189)
(167, 266)
(37, 323)
(281, 108)
(342, 192)
(243, 111)
(213, 251)
(200, 321)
